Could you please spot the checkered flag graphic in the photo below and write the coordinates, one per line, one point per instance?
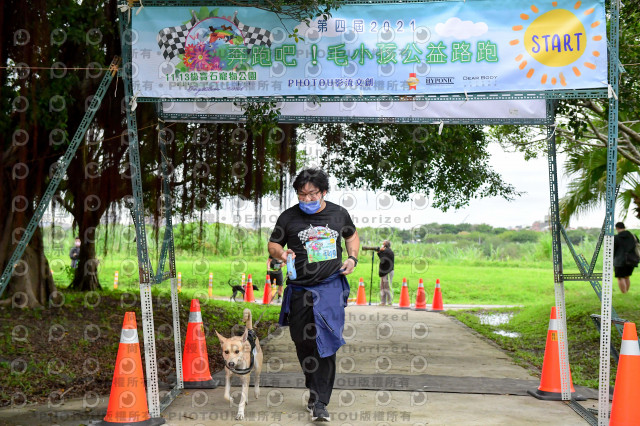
(253, 36)
(172, 40)
(305, 234)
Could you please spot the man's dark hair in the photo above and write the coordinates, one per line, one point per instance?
(315, 176)
(620, 225)
(387, 243)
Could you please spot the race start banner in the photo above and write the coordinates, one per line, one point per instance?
(373, 49)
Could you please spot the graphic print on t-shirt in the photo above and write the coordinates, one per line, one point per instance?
(320, 242)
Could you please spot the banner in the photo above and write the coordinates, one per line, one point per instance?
(370, 49)
(530, 111)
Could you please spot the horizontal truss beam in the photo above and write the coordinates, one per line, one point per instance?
(580, 277)
(230, 118)
(492, 96)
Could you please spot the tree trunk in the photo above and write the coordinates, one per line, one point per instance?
(86, 276)
(31, 284)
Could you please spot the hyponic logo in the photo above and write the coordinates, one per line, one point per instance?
(439, 80)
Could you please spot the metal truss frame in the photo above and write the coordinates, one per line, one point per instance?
(148, 278)
(552, 97)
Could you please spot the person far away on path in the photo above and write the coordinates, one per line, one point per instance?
(624, 256)
(274, 270)
(313, 302)
(385, 271)
(74, 253)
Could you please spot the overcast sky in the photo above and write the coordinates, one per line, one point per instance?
(530, 177)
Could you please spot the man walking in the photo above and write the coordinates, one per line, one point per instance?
(385, 271)
(313, 303)
(74, 253)
(624, 256)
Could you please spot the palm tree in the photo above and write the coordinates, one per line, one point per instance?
(588, 167)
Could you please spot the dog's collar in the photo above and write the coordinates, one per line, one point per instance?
(251, 337)
(241, 371)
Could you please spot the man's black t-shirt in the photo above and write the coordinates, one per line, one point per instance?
(316, 239)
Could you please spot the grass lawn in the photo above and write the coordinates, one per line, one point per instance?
(514, 282)
(477, 282)
(72, 348)
(532, 322)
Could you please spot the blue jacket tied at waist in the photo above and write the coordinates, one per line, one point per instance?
(329, 300)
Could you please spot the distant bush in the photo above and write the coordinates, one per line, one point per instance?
(520, 236)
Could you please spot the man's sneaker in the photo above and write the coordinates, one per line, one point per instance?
(320, 413)
(311, 403)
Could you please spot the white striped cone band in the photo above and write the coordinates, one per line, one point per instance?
(630, 347)
(129, 335)
(553, 324)
(195, 316)
(437, 285)
(404, 284)
(420, 285)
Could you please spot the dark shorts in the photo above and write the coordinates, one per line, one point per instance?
(623, 271)
(276, 276)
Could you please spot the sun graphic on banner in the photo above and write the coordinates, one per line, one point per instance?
(556, 38)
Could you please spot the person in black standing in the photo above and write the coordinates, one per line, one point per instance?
(274, 270)
(625, 259)
(74, 253)
(385, 271)
(313, 303)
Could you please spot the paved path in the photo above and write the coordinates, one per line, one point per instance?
(399, 366)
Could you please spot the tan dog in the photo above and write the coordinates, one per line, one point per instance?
(238, 359)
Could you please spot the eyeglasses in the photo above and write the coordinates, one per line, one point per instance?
(310, 195)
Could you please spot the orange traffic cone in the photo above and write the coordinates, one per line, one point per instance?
(362, 296)
(421, 297)
(248, 291)
(195, 360)
(550, 388)
(266, 297)
(128, 399)
(437, 306)
(405, 303)
(626, 393)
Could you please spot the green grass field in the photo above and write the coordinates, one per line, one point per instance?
(471, 271)
(478, 282)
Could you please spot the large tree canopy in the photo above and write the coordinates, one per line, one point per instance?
(451, 168)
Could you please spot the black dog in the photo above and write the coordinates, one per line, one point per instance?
(238, 289)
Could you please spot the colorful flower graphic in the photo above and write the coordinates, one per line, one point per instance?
(210, 43)
(198, 57)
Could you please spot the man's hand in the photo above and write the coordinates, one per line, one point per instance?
(285, 253)
(278, 252)
(348, 266)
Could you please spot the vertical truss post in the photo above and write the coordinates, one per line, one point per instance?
(137, 211)
(168, 234)
(607, 272)
(557, 257)
(61, 169)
